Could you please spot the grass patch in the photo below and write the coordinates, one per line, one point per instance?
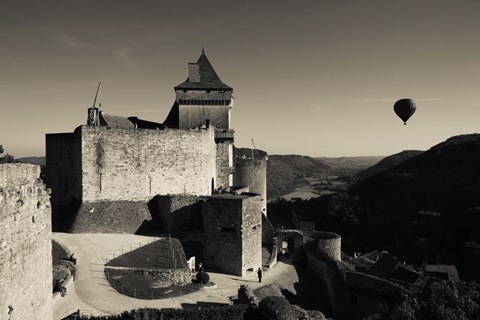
(157, 270)
(139, 286)
(165, 253)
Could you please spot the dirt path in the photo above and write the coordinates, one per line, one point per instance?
(93, 294)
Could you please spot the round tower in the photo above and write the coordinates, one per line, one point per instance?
(253, 173)
(329, 242)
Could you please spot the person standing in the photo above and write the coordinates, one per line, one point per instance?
(259, 273)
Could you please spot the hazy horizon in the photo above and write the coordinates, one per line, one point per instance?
(316, 78)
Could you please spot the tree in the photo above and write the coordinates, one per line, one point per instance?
(6, 158)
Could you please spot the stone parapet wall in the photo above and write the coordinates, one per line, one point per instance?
(371, 283)
(25, 244)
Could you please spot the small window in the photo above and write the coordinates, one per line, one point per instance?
(208, 91)
(184, 90)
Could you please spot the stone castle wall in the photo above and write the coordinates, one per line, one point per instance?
(224, 160)
(137, 164)
(222, 223)
(25, 244)
(232, 244)
(64, 171)
(192, 116)
(252, 233)
(179, 213)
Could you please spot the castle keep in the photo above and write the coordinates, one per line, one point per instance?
(177, 177)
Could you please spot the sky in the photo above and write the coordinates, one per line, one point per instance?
(310, 77)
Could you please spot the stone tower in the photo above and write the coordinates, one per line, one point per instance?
(204, 100)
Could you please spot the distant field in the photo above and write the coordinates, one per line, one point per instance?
(352, 163)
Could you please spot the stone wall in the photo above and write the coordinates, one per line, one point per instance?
(112, 217)
(192, 116)
(63, 167)
(224, 164)
(252, 233)
(25, 244)
(233, 236)
(131, 164)
(179, 213)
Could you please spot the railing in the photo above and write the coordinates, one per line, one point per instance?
(224, 133)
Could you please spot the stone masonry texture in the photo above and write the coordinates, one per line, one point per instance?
(103, 163)
(137, 164)
(25, 244)
(233, 233)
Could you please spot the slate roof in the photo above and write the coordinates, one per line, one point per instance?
(209, 79)
(145, 124)
(172, 119)
(385, 266)
(405, 274)
(111, 120)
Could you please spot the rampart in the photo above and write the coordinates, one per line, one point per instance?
(25, 244)
(137, 164)
(130, 164)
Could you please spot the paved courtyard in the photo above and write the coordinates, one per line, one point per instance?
(92, 294)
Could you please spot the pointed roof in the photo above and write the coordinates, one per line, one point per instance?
(208, 77)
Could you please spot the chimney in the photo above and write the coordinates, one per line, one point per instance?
(193, 72)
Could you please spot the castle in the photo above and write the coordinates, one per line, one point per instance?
(177, 177)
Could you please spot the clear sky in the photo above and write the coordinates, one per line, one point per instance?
(310, 77)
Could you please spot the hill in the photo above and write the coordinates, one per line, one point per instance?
(350, 165)
(33, 160)
(388, 162)
(445, 178)
(428, 207)
(285, 172)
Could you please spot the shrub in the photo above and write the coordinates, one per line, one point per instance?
(203, 277)
(275, 308)
(59, 273)
(236, 312)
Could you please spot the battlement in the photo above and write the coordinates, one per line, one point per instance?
(14, 174)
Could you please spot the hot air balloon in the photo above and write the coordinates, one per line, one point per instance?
(404, 108)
